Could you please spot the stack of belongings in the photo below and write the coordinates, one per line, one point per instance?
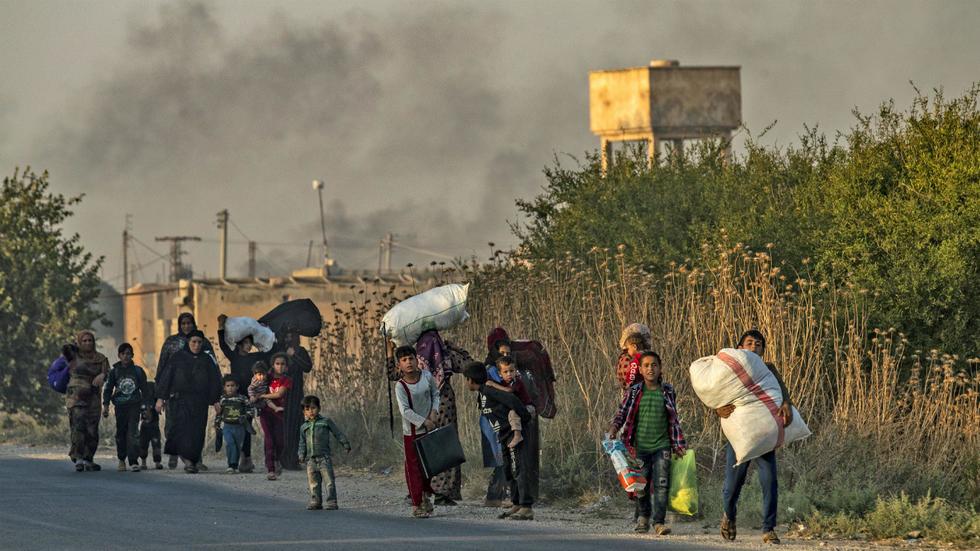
(740, 377)
(439, 308)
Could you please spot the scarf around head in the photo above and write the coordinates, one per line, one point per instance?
(86, 356)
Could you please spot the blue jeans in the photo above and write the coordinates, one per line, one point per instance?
(656, 469)
(735, 478)
(234, 436)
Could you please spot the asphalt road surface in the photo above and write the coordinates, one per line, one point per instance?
(44, 504)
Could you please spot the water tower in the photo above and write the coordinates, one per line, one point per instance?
(663, 102)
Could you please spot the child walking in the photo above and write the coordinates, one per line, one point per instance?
(651, 431)
(124, 387)
(231, 420)
(498, 405)
(418, 402)
(314, 450)
(150, 428)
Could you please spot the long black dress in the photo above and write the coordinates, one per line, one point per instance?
(299, 363)
(190, 384)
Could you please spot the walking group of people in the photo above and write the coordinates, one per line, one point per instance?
(269, 386)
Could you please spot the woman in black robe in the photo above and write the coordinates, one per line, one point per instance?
(190, 383)
(299, 364)
(173, 344)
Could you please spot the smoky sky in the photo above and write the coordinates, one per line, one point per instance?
(425, 119)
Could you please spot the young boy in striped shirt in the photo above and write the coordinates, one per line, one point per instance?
(651, 431)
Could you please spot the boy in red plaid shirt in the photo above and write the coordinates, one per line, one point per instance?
(651, 430)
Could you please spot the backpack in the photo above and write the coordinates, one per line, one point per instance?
(535, 365)
(58, 375)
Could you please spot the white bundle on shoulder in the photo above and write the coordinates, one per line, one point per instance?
(439, 308)
(237, 329)
(741, 378)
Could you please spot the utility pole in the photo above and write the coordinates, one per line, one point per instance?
(251, 259)
(177, 269)
(125, 258)
(223, 256)
(318, 186)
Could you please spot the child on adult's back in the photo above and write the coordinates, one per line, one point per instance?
(497, 405)
(652, 431)
(314, 450)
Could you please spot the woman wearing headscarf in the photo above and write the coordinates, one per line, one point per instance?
(190, 384)
(88, 370)
(299, 363)
(241, 360)
(433, 356)
(173, 344)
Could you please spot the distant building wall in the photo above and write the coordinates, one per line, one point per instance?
(152, 310)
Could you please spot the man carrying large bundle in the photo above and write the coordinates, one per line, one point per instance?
(757, 417)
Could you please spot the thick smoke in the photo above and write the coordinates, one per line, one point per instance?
(400, 116)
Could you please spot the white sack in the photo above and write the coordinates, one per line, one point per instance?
(237, 329)
(440, 308)
(751, 429)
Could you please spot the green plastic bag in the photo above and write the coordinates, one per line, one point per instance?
(683, 495)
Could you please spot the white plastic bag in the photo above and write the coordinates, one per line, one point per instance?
(741, 378)
(237, 329)
(440, 308)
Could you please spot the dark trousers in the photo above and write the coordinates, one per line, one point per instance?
(735, 478)
(128, 432)
(516, 464)
(150, 436)
(272, 431)
(656, 469)
(497, 485)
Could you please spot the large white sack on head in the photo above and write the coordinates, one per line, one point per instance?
(741, 378)
(440, 308)
(237, 329)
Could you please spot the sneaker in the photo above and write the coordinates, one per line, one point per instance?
(332, 506)
(524, 513)
(230, 470)
(172, 462)
(271, 476)
(642, 525)
(313, 506)
(770, 537)
(159, 466)
(661, 529)
(79, 466)
(509, 512)
(727, 528)
(121, 467)
(419, 512)
(135, 468)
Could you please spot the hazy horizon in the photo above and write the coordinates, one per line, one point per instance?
(424, 119)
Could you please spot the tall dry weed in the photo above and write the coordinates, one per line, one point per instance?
(864, 395)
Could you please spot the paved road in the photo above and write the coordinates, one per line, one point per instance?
(44, 504)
